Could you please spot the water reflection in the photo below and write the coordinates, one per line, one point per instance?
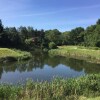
(41, 62)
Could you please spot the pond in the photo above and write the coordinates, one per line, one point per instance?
(42, 67)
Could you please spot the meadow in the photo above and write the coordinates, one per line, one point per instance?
(90, 54)
(13, 55)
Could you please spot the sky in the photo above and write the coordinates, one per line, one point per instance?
(63, 15)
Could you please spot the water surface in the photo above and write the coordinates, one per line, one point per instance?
(43, 67)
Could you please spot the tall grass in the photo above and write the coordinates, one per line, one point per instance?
(78, 52)
(58, 89)
(9, 54)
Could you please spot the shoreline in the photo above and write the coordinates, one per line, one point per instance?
(77, 52)
(10, 55)
(62, 89)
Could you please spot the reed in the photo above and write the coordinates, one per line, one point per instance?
(58, 89)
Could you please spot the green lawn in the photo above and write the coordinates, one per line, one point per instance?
(78, 52)
(6, 53)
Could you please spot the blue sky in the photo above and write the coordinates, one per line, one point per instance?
(50, 14)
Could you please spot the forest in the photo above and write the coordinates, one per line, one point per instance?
(28, 38)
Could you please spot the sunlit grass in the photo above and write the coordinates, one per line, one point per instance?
(96, 98)
(78, 52)
(16, 54)
(83, 88)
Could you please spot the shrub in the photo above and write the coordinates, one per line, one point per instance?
(98, 44)
(52, 45)
(45, 50)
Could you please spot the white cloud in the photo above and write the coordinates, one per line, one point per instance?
(59, 11)
(12, 6)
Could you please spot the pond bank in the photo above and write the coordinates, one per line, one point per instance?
(78, 52)
(59, 89)
(9, 55)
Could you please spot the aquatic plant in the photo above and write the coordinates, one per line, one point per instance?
(58, 89)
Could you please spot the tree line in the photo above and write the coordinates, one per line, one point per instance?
(30, 38)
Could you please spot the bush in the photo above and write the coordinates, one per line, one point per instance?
(98, 44)
(45, 50)
(52, 45)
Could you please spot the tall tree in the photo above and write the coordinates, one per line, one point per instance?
(75, 37)
(65, 38)
(98, 22)
(1, 26)
(53, 36)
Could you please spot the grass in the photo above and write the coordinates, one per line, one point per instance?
(13, 55)
(82, 88)
(78, 52)
(97, 98)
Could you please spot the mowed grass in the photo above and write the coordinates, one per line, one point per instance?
(78, 52)
(15, 54)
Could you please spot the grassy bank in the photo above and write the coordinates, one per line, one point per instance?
(58, 89)
(78, 52)
(13, 55)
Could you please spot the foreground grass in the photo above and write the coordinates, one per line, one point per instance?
(83, 88)
(78, 52)
(13, 55)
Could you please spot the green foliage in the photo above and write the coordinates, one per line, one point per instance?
(23, 37)
(20, 38)
(1, 27)
(98, 43)
(10, 55)
(45, 50)
(53, 36)
(92, 36)
(98, 22)
(58, 89)
(89, 54)
(75, 37)
(52, 45)
(30, 43)
(65, 38)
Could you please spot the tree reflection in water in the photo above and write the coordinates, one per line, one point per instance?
(39, 60)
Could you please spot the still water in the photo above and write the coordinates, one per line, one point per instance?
(43, 67)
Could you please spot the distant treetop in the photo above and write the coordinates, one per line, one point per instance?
(98, 22)
(1, 26)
